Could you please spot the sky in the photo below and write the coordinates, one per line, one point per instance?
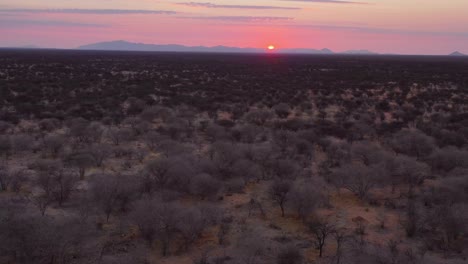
(384, 26)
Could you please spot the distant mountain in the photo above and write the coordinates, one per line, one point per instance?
(129, 46)
(305, 51)
(359, 52)
(122, 45)
(23, 47)
(456, 53)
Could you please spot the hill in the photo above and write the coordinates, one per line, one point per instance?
(456, 53)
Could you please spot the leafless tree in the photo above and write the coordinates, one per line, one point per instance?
(99, 152)
(259, 117)
(321, 229)
(290, 255)
(54, 144)
(407, 170)
(366, 152)
(43, 240)
(152, 140)
(338, 153)
(111, 191)
(252, 248)
(42, 202)
(49, 124)
(56, 182)
(413, 143)
(5, 127)
(158, 169)
(22, 142)
(340, 237)
(286, 169)
(225, 156)
(247, 170)
(119, 135)
(279, 192)
(5, 146)
(357, 178)
(81, 161)
(305, 197)
(156, 220)
(282, 110)
(284, 140)
(264, 157)
(446, 159)
(191, 224)
(205, 186)
(412, 221)
(5, 178)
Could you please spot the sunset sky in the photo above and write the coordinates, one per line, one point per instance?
(385, 26)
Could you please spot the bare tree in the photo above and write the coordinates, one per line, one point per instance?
(158, 170)
(205, 186)
(225, 156)
(321, 229)
(279, 192)
(282, 110)
(49, 124)
(42, 202)
(413, 143)
(446, 159)
(56, 182)
(305, 197)
(357, 178)
(340, 238)
(5, 178)
(81, 161)
(152, 140)
(259, 117)
(46, 171)
(5, 127)
(156, 220)
(111, 191)
(119, 135)
(286, 169)
(366, 152)
(99, 152)
(412, 221)
(407, 170)
(22, 142)
(264, 157)
(252, 248)
(247, 170)
(5, 146)
(290, 255)
(191, 224)
(54, 144)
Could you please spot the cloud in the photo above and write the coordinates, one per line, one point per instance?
(242, 18)
(46, 23)
(372, 30)
(211, 5)
(327, 1)
(90, 11)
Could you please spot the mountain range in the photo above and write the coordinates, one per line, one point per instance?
(456, 53)
(122, 45)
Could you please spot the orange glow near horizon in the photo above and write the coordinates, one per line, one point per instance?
(271, 47)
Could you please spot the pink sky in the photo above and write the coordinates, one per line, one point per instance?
(385, 26)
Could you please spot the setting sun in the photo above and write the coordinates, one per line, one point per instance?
(271, 47)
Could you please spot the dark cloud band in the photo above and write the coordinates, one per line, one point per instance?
(211, 5)
(90, 11)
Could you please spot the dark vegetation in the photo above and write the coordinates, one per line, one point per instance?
(186, 158)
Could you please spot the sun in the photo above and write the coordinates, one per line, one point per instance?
(271, 47)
